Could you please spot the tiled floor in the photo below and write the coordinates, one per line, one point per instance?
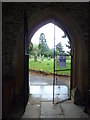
(44, 109)
(46, 92)
(40, 104)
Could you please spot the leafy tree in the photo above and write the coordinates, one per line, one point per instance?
(30, 47)
(51, 52)
(69, 47)
(43, 47)
(59, 49)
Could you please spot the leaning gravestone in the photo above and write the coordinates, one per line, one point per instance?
(35, 58)
(49, 57)
(40, 58)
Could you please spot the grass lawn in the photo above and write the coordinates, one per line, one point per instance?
(47, 66)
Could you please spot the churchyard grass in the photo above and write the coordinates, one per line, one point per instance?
(48, 66)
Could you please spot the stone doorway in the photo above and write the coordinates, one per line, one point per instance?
(41, 83)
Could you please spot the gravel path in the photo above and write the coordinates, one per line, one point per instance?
(39, 79)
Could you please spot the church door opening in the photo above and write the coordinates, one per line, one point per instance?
(56, 86)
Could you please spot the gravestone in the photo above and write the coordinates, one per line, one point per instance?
(49, 57)
(62, 61)
(57, 60)
(40, 58)
(35, 57)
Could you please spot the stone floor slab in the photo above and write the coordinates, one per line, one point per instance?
(32, 111)
(48, 109)
(61, 92)
(71, 110)
(35, 99)
(52, 116)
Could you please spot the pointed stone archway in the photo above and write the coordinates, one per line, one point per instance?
(71, 28)
(68, 17)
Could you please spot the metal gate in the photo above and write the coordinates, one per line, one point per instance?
(62, 76)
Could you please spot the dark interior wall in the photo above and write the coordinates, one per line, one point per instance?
(13, 55)
(0, 59)
(89, 58)
(13, 44)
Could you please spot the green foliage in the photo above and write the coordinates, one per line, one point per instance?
(30, 47)
(35, 49)
(51, 52)
(59, 49)
(47, 66)
(43, 47)
(69, 47)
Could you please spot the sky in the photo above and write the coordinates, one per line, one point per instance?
(48, 30)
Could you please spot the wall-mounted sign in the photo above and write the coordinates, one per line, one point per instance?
(62, 61)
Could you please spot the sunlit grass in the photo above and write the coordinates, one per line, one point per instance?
(48, 66)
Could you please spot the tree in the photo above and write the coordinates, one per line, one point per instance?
(30, 47)
(51, 52)
(43, 47)
(69, 47)
(59, 49)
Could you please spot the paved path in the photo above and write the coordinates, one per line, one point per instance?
(40, 109)
(38, 79)
(43, 85)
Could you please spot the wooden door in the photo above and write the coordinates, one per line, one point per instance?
(26, 62)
